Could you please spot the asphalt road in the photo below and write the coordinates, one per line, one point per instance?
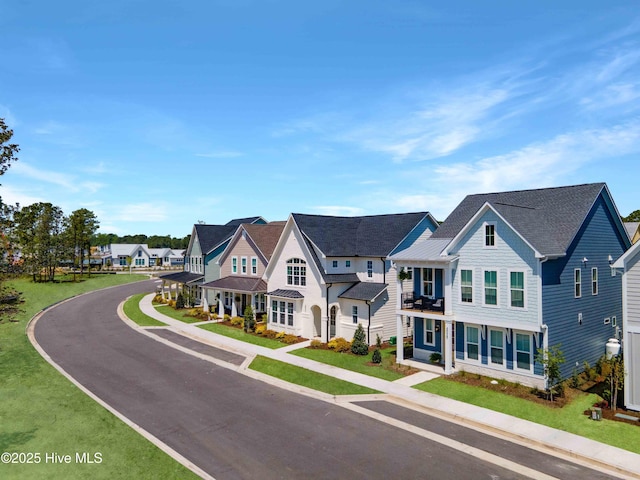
(233, 426)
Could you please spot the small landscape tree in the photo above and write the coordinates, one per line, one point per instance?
(359, 345)
(249, 321)
(551, 360)
(180, 301)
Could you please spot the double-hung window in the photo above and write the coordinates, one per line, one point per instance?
(577, 280)
(490, 235)
(354, 314)
(523, 351)
(290, 314)
(254, 265)
(428, 281)
(243, 265)
(466, 286)
(234, 265)
(496, 347)
(369, 268)
(473, 343)
(429, 338)
(516, 289)
(334, 263)
(491, 287)
(594, 281)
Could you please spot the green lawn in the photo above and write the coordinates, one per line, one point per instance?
(354, 363)
(238, 334)
(132, 310)
(177, 314)
(41, 411)
(570, 418)
(307, 378)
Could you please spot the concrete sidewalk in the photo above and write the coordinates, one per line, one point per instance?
(625, 462)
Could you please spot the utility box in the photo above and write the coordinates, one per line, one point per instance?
(392, 340)
(596, 413)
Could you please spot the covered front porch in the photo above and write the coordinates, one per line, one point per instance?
(186, 283)
(233, 295)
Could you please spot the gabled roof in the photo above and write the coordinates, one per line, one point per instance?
(548, 218)
(210, 236)
(126, 249)
(631, 228)
(428, 250)
(366, 236)
(182, 277)
(265, 236)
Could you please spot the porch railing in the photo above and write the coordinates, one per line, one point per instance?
(414, 301)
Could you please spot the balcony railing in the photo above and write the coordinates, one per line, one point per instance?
(411, 301)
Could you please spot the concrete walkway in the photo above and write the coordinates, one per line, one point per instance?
(401, 391)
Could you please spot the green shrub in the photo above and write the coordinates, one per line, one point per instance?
(249, 321)
(237, 321)
(359, 345)
(290, 339)
(435, 357)
(180, 301)
(339, 344)
(377, 356)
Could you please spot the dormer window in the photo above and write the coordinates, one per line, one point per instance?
(489, 234)
(296, 272)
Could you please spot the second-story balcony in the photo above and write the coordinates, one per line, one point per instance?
(412, 301)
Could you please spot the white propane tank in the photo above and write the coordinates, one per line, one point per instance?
(612, 348)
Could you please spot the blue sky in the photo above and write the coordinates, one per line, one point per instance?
(159, 114)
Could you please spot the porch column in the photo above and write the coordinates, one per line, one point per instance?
(399, 338)
(234, 307)
(221, 305)
(448, 349)
(448, 291)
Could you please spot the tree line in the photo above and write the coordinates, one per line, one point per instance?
(153, 241)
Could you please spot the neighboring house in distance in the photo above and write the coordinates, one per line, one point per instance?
(329, 274)
(633, 230)
(242, 265)
(166, 257)
(206, 244)
(116, 255)
(629, 262)
(515, 272)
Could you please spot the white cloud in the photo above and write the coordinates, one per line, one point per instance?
(141, 212)
(337, 210)
(222, 154)
(11, 196)
(66, 181)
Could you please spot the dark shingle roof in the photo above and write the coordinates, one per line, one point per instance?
(368, 236)
(238, 284)
(365, 291)
(265, 236)
(341, 278)
(237, 221)
(182, 277)
(210, 236)
(286, 293)
(548, 218)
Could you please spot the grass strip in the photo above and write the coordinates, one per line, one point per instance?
(307, 378)
(355, 363)
(177, 314)
(132, 310)
(41, 411)
(569, 418)
(238, 334)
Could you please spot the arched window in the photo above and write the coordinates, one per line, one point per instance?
(296, 272)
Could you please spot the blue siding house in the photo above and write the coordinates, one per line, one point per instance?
(509, 273)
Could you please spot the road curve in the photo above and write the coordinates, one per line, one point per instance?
(229, 425)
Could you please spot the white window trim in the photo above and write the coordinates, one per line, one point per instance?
(432, 282)
(354, 314)
(614, 321)
(594, 283)
(484, 296)
(347, 263)
(432, 330)
(243, 265)
(504, 348)
(577, 282)
(466, 353)
(334, 263)
(369, 271)
(524, 289)
(495, 235)
(515, 352)
(473, 275)
(254, 265)
(234, 265)
(301, 276)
